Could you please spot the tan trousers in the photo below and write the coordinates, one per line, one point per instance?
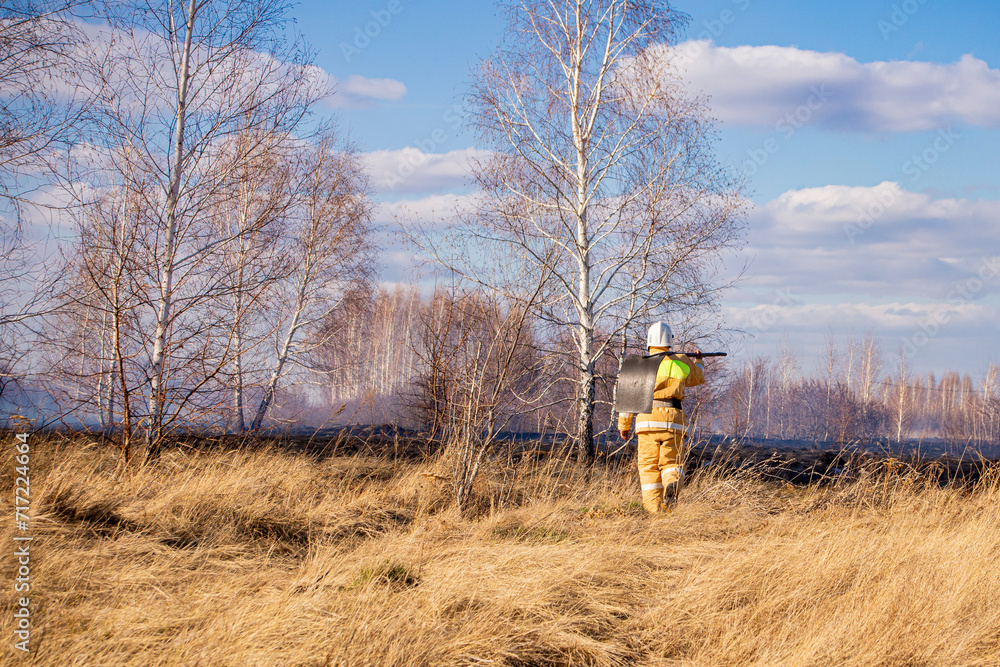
(660, 470)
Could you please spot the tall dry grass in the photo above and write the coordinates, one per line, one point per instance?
(269, 558)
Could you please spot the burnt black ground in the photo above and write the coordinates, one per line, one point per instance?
(797, 462)
(806, 462)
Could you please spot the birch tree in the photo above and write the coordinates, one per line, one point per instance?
(601, 176)
(991, 402)
(175, 84)
(104, 298)
(868, 382)
(252, 214)
(330, 254)
(902, 399)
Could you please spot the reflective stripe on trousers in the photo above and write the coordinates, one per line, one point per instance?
(651, 425)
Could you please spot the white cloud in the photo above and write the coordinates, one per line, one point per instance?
(768, 85)
(915, 270)
(253, 69)
(873, 242)
(362, 92)
(434, 209)
(410, 169)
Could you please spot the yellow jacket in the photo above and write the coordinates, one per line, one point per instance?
(676, 372)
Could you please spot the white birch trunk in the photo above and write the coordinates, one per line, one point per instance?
(158, 376)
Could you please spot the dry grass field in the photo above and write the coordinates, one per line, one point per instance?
(272, 558)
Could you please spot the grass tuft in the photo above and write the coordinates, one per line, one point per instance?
(393, 575)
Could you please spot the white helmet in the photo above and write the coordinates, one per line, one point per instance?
(659, 335)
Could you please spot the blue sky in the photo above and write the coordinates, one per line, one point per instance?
(869, 133)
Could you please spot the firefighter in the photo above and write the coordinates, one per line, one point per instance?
(661, 432)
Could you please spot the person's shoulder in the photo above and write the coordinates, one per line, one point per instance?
(691, 361)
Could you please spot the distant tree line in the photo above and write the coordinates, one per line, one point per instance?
(859, 396)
